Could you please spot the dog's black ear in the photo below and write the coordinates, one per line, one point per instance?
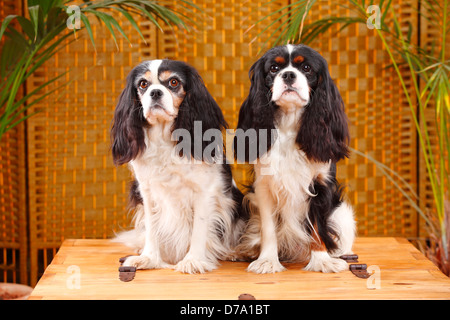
(127, 132)
(197, 114)
(323, 133)
(255, 130)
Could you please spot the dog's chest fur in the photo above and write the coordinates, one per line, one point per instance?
(166, 175)
(288, 174)
(174, 185)
(286, 167)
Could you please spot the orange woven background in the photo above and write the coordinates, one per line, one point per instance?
(57, 180)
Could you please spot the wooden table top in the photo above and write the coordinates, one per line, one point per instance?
(88, 269)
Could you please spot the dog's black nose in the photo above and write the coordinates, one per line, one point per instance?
(289, 77)
(156, 93)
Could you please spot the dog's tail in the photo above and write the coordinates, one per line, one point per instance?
(134, 238)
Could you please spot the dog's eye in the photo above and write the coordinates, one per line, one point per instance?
(143, 84)
(274, 68)
(306, 68)
(174, 83)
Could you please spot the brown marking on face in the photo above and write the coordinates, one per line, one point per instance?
(178, 94)
(178, 98)
(165, 75)
(280, 60)
(148, 75)
(298, 59)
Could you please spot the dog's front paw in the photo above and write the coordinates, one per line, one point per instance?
(193, 265)
(145, 262)
(321, 261)
(265, 265)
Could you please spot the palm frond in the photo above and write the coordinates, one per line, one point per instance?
(43, 34)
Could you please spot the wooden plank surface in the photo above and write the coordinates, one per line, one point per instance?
(88, 269)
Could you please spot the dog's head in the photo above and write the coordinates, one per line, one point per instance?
(164, 92)
(291, 78)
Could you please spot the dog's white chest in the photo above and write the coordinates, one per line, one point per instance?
(161, 173)
(288, 169)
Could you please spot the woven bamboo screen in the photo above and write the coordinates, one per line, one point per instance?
(73, 189)
(13, 224)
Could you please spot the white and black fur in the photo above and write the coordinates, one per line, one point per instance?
(187, 213)
(297, 211)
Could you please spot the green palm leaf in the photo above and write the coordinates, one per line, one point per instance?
(41, 35)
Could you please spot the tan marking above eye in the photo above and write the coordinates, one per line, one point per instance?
(165, 75)
(148, 75)
(280, 60)
(299, 59)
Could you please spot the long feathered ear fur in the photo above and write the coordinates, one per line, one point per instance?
(323, 133)
(199, 105)
(127, 133)
(257, 112)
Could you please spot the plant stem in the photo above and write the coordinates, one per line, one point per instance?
(303, 20)
(438, 186)
(426, 146)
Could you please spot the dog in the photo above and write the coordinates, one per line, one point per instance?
(297, 211)
(187, 206)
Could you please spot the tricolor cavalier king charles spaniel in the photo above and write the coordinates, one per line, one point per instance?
(187, 213)
(297, 211)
